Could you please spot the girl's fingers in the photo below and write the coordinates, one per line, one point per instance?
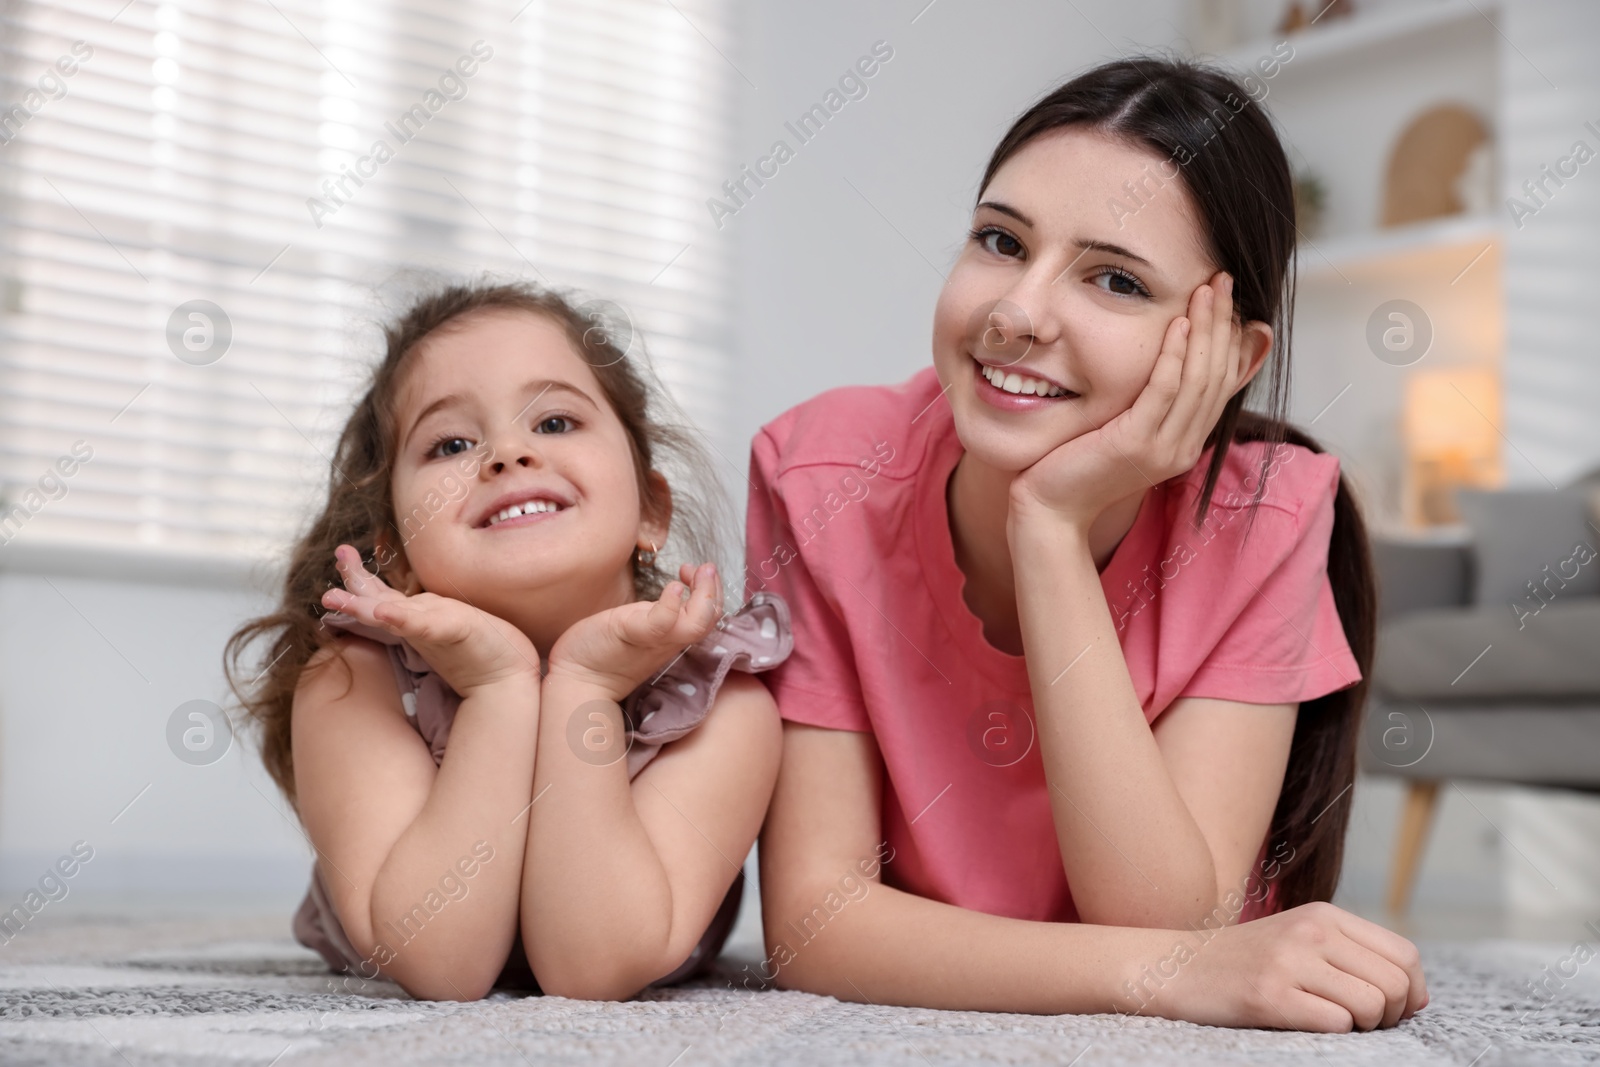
(700, 613)
(437, 622)
(356, 577)
(658, 620)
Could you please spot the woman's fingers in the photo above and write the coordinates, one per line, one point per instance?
(1379, 972)
(1152, 406)
(1394, 948)
(1209, 306)
(1224, 352)
(1300, 1009)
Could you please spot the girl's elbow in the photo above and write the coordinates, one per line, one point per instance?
(601, 973)
(440, 986)
(589, 983)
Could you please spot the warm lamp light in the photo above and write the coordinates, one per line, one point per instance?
(1451, 429)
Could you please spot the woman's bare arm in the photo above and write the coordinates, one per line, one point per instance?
(893, 947)
(1156, 828)
(392, 831)
(1315, 967)
(623, 878)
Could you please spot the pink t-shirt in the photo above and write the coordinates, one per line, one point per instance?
(848, 523)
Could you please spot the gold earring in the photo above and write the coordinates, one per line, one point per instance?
(646, 559)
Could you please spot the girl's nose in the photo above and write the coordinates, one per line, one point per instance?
(512, 449)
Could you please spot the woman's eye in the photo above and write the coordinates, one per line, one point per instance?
(555, 421)
(451, 446)
(1120, 283)
(997, 241)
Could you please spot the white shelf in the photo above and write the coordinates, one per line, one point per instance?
(1359, 32)
(1381, 251)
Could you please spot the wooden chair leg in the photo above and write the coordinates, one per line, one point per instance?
(1421, 800)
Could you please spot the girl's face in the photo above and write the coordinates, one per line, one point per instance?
(498, 414)
(1062, 286)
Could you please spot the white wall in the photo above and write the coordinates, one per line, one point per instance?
(1552, 369)
(837, 284)
(91, 668)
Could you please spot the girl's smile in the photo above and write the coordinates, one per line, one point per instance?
(523, 507)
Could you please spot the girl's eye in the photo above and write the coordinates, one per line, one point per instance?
(1119, 282)
(996, 240)
(448, 446)
(556, 420)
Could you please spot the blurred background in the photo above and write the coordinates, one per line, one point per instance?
(207, 206)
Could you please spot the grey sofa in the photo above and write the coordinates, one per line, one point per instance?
(1488, 657)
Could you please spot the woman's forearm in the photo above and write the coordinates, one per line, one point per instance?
(598, 908)
(893, 947)
(1132, 851)
(444, 902)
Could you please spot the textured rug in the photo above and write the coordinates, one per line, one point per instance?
(237, 990)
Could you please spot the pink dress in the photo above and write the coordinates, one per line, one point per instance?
(755, 638)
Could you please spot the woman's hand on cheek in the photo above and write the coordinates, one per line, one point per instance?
(618, 649)
(470, 648)
(1161, 435)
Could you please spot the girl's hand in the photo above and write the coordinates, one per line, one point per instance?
(1315, 967)
(1198, 369)
(619, 649)
(469, 648)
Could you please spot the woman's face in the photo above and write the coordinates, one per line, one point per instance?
(497, 412)
(1070, 282)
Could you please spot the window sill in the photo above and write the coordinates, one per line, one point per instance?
(153, 566)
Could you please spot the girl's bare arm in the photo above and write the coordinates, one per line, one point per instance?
(1314, 968)
(623, 878)
(395, 836)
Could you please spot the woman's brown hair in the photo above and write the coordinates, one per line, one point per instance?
(359, 508)
(1206, 126)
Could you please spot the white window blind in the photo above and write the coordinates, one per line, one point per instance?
(193, 152)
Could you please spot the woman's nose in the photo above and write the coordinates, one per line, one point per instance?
(1005, 331)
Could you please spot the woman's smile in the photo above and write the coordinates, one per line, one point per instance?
(1009, 389)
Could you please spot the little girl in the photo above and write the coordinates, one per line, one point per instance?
(1082, 666)
(524, 757)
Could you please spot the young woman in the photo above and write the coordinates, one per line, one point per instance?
(1080, 644)
(525, 755)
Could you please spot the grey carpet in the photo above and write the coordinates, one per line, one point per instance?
(136, 993)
